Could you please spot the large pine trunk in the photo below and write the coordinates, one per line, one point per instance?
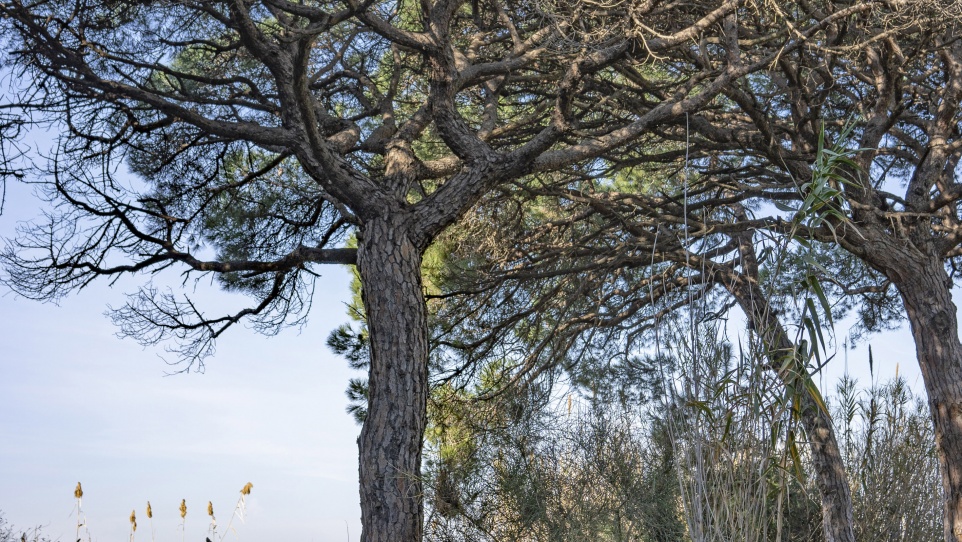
(926, 291)
(391, 438)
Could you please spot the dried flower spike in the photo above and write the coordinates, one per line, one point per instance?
(210, 509)
(183, 508)
(246, 490)
(150, 513)
(79, 492)
(133, 520)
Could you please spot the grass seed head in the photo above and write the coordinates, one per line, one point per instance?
(79, 492)
(183, 508)
(150, 513)
(247, 489)
(133, 520)
(210, 509)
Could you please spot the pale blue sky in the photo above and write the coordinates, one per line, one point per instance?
(78, 404)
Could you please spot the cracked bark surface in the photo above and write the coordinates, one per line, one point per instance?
(390, 441)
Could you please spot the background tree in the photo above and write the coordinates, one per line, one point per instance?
(577, 281)
(531, 464)
(896, 71)
(879, 82)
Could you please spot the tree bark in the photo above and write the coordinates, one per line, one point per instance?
(391, 438)
(926, 291)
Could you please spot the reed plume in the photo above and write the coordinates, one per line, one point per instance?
(183, 519)
(240, 509)
(150, 518)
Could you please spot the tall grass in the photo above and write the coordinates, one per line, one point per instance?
(730, 431)
(889, 448)
(239, 513)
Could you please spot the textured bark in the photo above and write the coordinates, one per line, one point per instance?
(926, 291)
(830, 477)
(390, 441)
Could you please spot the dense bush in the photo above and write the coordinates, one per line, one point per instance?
(710, 459)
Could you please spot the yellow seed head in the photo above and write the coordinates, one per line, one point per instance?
(183, 508)
(150, 513)
(133, 520)
(247, 489)
(210, 509)
(79, 492)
